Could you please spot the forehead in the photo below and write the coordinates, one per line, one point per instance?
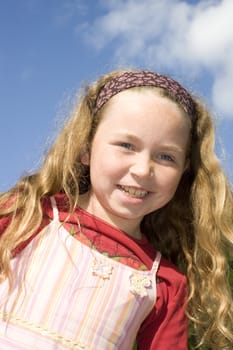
(135, 92)
(143, 110)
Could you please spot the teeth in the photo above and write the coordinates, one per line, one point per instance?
(131, 191)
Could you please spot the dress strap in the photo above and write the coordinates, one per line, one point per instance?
(55, 209)
(156, 262)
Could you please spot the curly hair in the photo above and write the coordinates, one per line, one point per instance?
(194, 230)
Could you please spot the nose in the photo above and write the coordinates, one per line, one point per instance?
(142, 167)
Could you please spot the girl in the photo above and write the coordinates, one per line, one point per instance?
(132, 175)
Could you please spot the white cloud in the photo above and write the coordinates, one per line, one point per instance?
(174, 35)
(223, 89)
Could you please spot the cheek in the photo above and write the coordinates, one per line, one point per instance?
(104, 164)
(169, 180)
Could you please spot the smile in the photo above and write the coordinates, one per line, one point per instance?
(133, 192)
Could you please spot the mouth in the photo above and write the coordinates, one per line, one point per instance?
(133, 191)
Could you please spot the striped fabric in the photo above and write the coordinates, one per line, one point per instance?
(68, 296)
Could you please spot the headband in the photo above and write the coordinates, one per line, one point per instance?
(128, 80)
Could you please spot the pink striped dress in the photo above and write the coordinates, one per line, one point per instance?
(69, 296)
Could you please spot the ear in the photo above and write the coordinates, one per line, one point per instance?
(187, 164)
(85, 156)
(186, 167)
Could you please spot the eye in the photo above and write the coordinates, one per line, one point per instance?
(127, 145)
(166, 157)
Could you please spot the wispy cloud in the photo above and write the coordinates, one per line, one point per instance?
(169, 34)
(68, 10)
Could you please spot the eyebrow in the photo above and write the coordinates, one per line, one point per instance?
(129, 137)
(173, 148)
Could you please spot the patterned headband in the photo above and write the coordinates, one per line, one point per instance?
(145, 78)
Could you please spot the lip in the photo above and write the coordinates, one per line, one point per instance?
(133, 191)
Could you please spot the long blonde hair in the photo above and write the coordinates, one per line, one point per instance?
(194, 230)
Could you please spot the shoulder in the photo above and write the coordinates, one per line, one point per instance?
(169, 272)
(4, 223)
(172, 284)
(166, 326)
(6, 213)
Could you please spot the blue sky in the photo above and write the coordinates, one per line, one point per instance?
(49, 48)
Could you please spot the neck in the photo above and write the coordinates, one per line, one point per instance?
(130, 227)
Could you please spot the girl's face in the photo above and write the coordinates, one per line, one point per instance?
(137, 158)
